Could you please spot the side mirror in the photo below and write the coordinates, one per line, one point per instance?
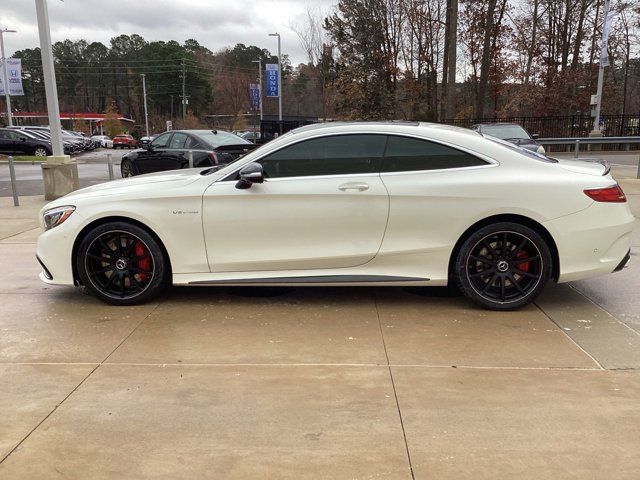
(250, 174)
(149, 147)
(535, 136)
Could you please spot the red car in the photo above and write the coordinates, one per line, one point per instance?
(124, 141)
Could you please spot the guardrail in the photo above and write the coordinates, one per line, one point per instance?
(577, 141)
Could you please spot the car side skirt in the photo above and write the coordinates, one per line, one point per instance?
(315, 280)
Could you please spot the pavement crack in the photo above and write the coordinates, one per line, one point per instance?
(393, 385)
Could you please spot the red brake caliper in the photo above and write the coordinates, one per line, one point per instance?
(143, 264)
(523, 266)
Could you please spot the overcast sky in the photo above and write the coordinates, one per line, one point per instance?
(213, 23)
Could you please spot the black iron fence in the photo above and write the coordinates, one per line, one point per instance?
(566, 125)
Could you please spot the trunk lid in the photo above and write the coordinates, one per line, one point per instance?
(585, 165)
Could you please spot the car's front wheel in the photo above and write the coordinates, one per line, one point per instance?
(122, 264)
(503, 266)
(40, 152)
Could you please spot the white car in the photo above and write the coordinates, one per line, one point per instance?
(105, 141)
(347, 204)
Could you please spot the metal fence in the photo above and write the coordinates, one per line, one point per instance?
(565, 126)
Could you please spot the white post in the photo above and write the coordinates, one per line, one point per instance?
(144, 93)
(596, 120)
(5, 75)
(49, 78)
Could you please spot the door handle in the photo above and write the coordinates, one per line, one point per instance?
(361, 187)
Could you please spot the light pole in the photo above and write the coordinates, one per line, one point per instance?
(605, 34)
(279, 81)
(49, 75)
(144, 93)
(5, 74)
(259, 62)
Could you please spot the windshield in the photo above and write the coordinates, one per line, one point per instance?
(221, 138)
(523, 151)
(505, 131)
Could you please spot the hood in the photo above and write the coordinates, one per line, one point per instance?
(588, 166)
(133, 186)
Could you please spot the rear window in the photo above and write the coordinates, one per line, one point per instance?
(221, 138)
(528, 153)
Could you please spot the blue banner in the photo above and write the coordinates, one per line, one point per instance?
(254, 96)
(272, 87)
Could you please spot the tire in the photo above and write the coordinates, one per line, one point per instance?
(122, 264)
(126, 169)
(41, 152)
(503, 266)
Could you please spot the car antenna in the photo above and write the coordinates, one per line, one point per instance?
(215, 132)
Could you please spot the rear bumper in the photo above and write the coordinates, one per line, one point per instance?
(595, 241)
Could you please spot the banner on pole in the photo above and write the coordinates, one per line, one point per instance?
(272, 87)
(604, 48)
(14, 68)
(254, 96)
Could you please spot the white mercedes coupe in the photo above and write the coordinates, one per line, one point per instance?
(389, 203)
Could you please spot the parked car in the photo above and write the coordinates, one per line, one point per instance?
(144, 141)
(72, 144)
(251, 136)
(104, 141)
(124, 141)
(511, 132)
(170, 151)
(15, 142)
(347, 204)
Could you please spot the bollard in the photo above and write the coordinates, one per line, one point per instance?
(14, 189)
(190, 158)
(110, 165)
(576, 152)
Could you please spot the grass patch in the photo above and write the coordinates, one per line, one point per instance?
(25, 158)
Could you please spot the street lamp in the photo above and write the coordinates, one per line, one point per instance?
(5, 74)
(144, 93)
(279, 82)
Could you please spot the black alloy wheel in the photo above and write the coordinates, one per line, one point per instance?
(122, 264)
(503, 266)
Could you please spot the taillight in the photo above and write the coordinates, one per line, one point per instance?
(214, 158)
(608, 194)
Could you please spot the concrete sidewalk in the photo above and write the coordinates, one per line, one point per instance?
(349, 383)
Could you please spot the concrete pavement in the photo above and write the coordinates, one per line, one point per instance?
(335, 383)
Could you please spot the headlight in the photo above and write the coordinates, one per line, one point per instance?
(541, 150)
(56, 216)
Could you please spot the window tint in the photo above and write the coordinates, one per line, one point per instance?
(178, 140)
(335, 155)
(409, 154)
(161, 141)
(193, 143)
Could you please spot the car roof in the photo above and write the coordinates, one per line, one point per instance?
(488, 124)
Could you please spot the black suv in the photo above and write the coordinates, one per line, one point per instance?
(15, 142)
(170, 151)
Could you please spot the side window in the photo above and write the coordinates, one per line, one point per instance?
(161, 141)
(405, 154)
(334, 155)
(192, 142)
(178, 140)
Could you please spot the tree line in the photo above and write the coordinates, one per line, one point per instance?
(368, 59)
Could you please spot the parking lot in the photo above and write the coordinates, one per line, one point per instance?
(313, 382)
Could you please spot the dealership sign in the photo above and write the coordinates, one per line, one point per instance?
(254, 96)
(14, 68)
(273, 89)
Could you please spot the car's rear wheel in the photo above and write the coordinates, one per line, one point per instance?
(126, 168)
(503, 266)
(122, 264)
(40, 152)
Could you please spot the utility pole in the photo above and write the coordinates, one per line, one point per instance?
(279, 81)
(184, 96)
(5, 74)
(603, 45)
(259, 62)
(144, 93)
(451, 57)
(171, 108)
